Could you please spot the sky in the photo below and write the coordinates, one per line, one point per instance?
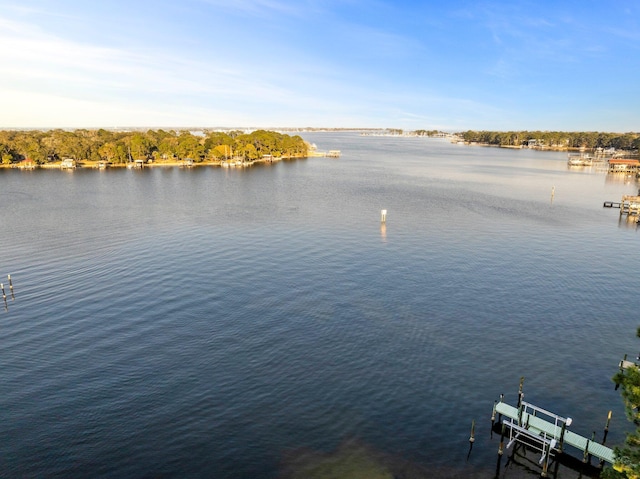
(447, 65)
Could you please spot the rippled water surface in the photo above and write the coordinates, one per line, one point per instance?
(263, 323)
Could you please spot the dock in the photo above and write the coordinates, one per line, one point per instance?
(626, 364)
(629, 205)
(545, 432)
(623, 165)
(549, 430)
(313, 152)
(580, 159)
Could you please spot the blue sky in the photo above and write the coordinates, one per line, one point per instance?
(450, 65)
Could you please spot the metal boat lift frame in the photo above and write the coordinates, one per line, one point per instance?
(546, 432)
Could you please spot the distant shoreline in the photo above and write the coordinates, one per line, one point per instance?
(524, 147)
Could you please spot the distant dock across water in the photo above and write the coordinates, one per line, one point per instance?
(629, 206)
(231, 162)
(325, 154)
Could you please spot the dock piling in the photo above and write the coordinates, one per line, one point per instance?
(562, 431)
(498, 463)
(501, 446)
(383, 216)
(4, 297)
(586, 458)
(473, 427)
(11, 287)
(471, 438)
(606, 429)
(520, 393)
(545, 457)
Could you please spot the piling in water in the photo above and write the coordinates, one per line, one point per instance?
(501, 446)
(606, 428)
(11, 287)
(520, 393)
(4, 297)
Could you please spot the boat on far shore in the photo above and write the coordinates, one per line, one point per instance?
(580, 159)
(137, 164)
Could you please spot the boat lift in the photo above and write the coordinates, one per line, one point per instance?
(545, 432)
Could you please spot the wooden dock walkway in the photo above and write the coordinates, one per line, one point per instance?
(611, 204)
(548, 431)
(629, 205)
(626, 364)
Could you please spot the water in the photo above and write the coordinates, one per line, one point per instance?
(262, 323)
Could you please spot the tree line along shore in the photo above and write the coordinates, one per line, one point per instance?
(119, 148)
(169, 147)
(554, 140)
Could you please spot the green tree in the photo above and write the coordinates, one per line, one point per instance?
(141, 146)
(168, 146)
(217, 138)
(189, 146)
(108, 151)
(250, 152)
(219, 152)
(29, 146)
(628, 456)
(6, 155)
(76, 144)
(294, 146)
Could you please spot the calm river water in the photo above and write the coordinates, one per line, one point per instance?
(262, 323)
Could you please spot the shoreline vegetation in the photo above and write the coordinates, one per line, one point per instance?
(554, 140)
(539, 140)
(101, 148)
(134, 148)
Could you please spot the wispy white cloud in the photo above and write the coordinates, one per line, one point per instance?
(262, 7)
(36, 56)
(288, 62)
(32, 54)
(40, 73)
